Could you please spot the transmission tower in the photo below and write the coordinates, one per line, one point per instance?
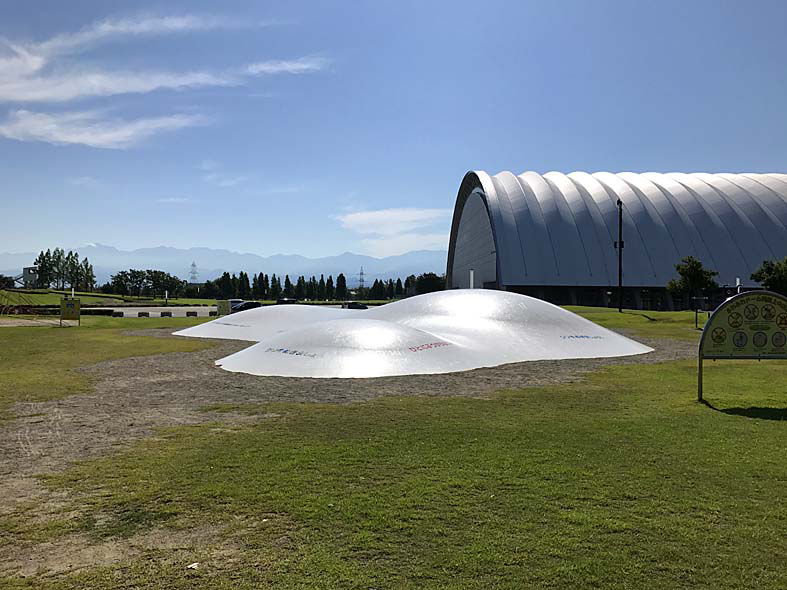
(193, 274)
(360, 280)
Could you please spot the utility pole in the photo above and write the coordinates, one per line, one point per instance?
(619, 248)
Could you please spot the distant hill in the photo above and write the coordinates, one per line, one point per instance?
(212, 263)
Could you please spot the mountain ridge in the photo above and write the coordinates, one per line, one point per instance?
(212, 262)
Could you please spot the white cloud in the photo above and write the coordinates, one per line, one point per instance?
(66, 43)
(28, 73)
(89, 128)
(387, 222)
(388, 232)
(214, 175)
(69, 86)
(399, 244)
(302, 65)
(41, 72)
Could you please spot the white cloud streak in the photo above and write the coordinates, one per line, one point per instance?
(387, 232)
(69, 43)
(89, 128)
(303, 65)
(33, 73)
(388, 222)
(69, 86)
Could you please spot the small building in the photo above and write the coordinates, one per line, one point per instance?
(552, 235)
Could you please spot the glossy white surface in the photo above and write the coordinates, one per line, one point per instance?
(434, 333)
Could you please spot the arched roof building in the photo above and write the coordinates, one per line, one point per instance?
(556, 231)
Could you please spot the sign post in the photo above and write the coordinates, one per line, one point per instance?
(751, 325)
(70, 310)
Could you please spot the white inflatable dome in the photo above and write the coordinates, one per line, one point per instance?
(434, 333)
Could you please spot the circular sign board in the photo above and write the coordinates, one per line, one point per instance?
(749, 325)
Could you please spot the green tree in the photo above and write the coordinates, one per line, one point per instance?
(694, 279)
(6, 282)
(321, 289)
(88, 276)
(224, 285)
(45, 274)
(255, 286)
(390, 290)
(58, 268)
(399, 289)
(300, 288)
(211, 290)
(265, 288)
(288, 290)
(429, 282)
(330, 292)
(275, 291)
(409, 285)
(341, 287)
(772, 275)
(244, 288)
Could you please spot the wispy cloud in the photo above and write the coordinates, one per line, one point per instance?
(303, 65)
(31, 73)
(213, 174)
(42, 72)
(89, 128)
(69, 43)
(388, 232)
(72, 85)
(387, 222)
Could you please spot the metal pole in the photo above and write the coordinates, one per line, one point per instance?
(619, 245)
(699, 378)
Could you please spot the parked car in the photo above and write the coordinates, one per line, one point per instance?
(243, 306)
(354, 305)
(286, 301)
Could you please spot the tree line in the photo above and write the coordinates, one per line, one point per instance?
(60, 270)
(694, 279)
(146, 283)
(263, 287)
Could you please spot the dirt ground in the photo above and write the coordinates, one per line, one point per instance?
(133, 397)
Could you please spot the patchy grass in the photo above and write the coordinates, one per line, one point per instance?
(36, 362)
(656, 324)
(622, 481)
(619, 481)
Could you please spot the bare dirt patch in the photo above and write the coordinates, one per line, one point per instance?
(133, 397)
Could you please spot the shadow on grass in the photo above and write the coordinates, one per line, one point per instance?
(639, 313)
(752, 412)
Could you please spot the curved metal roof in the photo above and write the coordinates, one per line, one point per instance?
(559, 229)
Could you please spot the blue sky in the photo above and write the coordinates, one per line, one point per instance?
(320, 127)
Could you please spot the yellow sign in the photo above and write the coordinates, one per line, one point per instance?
(223, 307)
(69, 309)
(751, 325)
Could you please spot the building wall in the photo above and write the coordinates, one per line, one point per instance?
(557, 230)
(475, 246)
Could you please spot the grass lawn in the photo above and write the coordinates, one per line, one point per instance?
(621, 480)
(36, 362)
(53, 297)
(46, 297)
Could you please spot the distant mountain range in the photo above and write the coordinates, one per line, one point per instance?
(211, 263)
